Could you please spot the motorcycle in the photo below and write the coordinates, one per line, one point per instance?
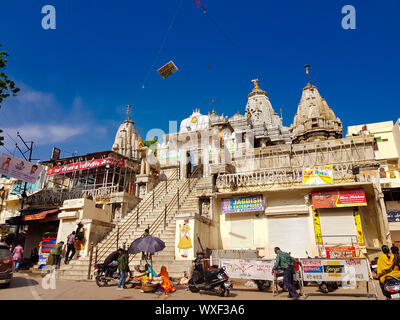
(392, 287)
(108, 273)
(211, 280)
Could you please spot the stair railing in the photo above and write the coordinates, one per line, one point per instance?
(142, 207)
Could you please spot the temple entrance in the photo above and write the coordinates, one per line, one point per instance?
(189, 163)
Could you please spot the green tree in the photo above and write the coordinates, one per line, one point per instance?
(151, 144)
(7, 86)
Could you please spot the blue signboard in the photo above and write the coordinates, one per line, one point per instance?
(393, 215)
(243, 204)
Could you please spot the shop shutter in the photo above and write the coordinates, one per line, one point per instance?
(242, 233)
(290, 234)
(338, 222)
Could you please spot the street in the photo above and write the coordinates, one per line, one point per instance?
(29, 287)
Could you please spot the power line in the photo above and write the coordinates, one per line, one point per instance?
(163, 42)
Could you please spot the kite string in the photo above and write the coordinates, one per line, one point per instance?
(163, 42)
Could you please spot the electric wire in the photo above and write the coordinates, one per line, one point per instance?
(163, 43)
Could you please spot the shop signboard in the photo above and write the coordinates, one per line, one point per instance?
(340, 252)
(393, 215)
(339, 198)
(19, 169)
(243, 204)
(335, 269)
(318, 175)
(84, 165)
(248, 269)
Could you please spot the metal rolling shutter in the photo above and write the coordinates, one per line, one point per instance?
(242, 233)
(338, 222)
(290, 234)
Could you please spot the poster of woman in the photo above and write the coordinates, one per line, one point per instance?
(185, 242)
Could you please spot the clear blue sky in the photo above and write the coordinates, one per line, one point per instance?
(76, 80)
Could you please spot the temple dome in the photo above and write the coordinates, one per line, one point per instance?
(314, 119)
(195, 122)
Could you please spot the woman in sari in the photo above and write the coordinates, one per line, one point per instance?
(388, 265)
(166, 282)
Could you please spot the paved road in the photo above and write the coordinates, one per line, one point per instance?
(29, 287)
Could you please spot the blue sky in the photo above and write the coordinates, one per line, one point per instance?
(76, 80)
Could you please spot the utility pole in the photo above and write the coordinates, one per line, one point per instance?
(30, 149)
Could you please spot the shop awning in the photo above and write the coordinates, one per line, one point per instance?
(40, 215)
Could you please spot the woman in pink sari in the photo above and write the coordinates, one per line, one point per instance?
(17, 256)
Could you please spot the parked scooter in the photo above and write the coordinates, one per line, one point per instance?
(108, 273)
(392, 287)
(211, 280)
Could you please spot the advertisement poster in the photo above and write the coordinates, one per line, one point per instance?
(318, 175)
(248, 269)
(317, 226)
(335, 269)
(339, 198)
(360, 234)
(42, 260)
(340, 252)
(84, 165)
(243, 204)
(19, 169)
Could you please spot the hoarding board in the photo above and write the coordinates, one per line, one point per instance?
(242, 204)
(318, 175)
(340, 252)
(19, 169)
(248, 269)
(335, 269)
(339, 198)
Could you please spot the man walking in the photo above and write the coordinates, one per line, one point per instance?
(123, 268)
(70, 247)
(283, 261)
(56, 253)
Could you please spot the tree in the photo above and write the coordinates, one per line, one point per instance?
(151, 144)
(7, 86)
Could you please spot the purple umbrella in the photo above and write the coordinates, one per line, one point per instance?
(147, 244)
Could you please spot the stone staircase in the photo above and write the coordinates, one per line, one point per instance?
(133, 225)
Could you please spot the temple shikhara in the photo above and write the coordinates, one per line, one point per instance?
(226, 183)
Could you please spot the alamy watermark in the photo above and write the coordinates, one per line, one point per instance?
(349, 20)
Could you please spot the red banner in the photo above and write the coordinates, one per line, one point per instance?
(340, 252)
(84, 165)
(339, 198)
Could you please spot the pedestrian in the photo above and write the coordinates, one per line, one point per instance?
(17, 256)
(80, 239)
(122, 267)
(284, 261)
(70, 247)
(56, 253)
(145, 255)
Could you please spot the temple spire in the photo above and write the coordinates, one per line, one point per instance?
(307, 66)
(128, 110)
(255, 82)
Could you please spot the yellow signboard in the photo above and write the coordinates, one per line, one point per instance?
(317, 226)
(318, 175)
(360, 234)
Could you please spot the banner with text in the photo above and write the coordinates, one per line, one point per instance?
(19, 169)
(339, 198)
(243, 204)
(84, 165)
(248, 269)
(318, 175)
(335, 269)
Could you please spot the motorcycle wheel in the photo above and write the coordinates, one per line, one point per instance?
(324, 288)
(226, 293)
(101, 280)
(222, 291)
(263, 285)
(193, 289)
